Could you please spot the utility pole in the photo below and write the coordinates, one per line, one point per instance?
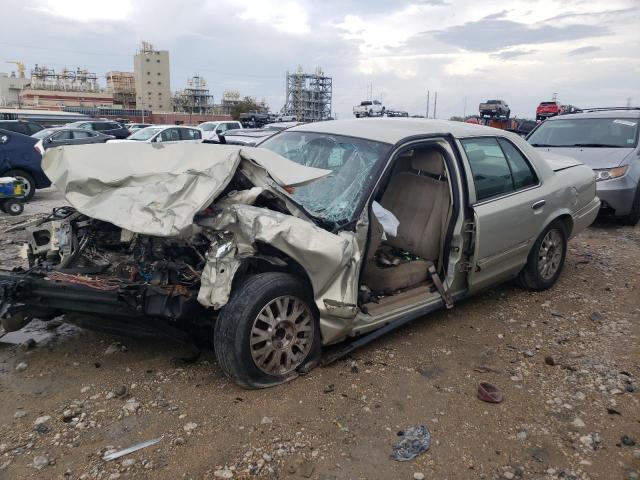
(435, 105)
(464, 108)
(428, 103)
(628, 102)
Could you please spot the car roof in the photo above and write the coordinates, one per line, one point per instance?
(610, 113)
(392, 130)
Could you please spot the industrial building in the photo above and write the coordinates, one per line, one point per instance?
(152, 78)
(123, 87)
(47, 88)
(196, 98)
(308, 95)
(10, 88)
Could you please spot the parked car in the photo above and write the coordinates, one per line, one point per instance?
(369, 108)
(286, 118)
(607, 141)
(134, 127)
(494, 108)
(20, 159)
(56, 137)
(107, 127)
(165, 134)
(210, 130)
(20, 126)
(329, 232)
(254, 119)
(248, 137)
(397, 113)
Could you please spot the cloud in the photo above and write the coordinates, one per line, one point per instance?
(85, 10)
(583, 50)
(511, 54)
(490, 35)
(287, 16)
(402, 47)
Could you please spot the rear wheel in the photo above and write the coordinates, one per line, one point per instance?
(546, 258)
(267, 331)
(26, 179)
(633, 217)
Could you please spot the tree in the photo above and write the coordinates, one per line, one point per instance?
(457, 119)
(247, 104)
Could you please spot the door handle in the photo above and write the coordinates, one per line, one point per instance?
(539, 204)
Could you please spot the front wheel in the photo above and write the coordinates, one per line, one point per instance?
(633, 217)
(267, 331)
(546, 258)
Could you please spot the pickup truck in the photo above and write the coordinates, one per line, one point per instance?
(494, 108)
(369, 108)
(253, 119)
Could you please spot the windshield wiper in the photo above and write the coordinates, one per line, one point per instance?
(542, 145)
(595, 145)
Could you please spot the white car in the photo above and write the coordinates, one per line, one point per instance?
(165, 134)
(210, 130)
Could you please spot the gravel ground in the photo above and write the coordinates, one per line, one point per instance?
(566, 359)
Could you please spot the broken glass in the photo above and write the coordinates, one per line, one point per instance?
(354, 163)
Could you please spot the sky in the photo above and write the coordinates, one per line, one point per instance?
(468, 51)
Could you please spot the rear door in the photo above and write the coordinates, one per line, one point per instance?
(169, 135)
(191, 135)
(508, 206)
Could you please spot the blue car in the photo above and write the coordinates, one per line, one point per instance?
(20, 159)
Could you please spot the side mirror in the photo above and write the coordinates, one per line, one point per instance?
(50, 140)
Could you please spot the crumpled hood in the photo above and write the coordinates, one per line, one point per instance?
(593, 157)
(559, 162)
(157, 189)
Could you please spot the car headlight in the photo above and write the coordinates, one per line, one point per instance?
(610, 173)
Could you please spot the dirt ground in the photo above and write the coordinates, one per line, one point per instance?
(566, 359)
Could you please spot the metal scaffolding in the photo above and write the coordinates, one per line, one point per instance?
(78, 80)
(308, 96)
(195, 98)
(123, 87)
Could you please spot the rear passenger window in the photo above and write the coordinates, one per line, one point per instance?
(523, 174)
(491, 173)
(498, 167)
(190, 134)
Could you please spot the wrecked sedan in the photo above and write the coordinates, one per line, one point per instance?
(331, 233)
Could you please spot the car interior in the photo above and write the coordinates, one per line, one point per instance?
(397, 268)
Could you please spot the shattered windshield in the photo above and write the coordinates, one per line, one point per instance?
(355, 164)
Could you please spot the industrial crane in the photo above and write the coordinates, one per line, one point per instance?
(21, 67)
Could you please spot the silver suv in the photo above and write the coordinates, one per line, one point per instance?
(606, 139)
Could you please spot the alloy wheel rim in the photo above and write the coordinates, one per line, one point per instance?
(281, 335)
(550, 254)
(26, 185)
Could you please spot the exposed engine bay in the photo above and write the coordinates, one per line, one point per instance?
(71, 243)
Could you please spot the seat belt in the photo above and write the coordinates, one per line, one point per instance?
(441, 287)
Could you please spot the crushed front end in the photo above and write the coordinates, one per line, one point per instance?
(82, 265)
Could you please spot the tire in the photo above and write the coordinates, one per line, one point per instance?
(533, 276)
(288, 346)
(27, 179)
(633, 217)
(13, 207)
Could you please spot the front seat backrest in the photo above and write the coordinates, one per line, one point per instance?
(420, 202)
